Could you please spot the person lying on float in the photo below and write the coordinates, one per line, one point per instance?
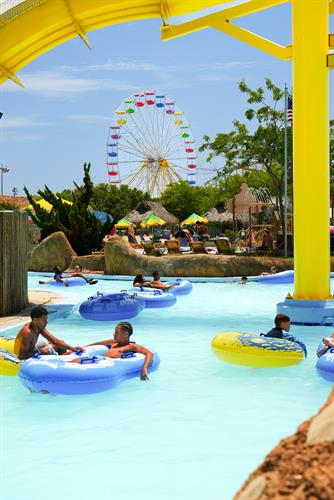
(157, 283)
(327, 343)
(121, 344)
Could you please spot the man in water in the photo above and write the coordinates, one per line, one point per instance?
(58, 276)
(27, 342)
(157, 283)
(120, 344)
(78, 274)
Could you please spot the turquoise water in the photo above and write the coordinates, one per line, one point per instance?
(195, 430)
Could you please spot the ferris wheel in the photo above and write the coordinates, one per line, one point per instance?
(150, 144)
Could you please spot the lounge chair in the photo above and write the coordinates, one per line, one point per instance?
(223, 246)
(173, 247)
(198, 246)
(150, 249)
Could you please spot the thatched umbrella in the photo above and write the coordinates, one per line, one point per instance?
(146, 208)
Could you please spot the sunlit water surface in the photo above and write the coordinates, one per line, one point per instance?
(195, 430)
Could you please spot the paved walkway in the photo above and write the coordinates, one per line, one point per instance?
(36, 298)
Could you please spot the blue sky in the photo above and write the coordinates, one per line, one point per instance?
(60, 120)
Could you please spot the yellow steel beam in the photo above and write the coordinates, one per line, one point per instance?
(221, 21)
(331, 6)
(78, 28)
(35, 26)
(250, 8)
(7, 74)
(311, 149)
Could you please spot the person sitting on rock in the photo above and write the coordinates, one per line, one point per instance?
(139, 281)
(157, 283)
(27, 341)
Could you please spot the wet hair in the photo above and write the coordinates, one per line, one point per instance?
(155, 274)
(138, 279)
(78, 265)
(38, 312)
(244, 278)
(281, 318)
(57, 269)
(126, 327)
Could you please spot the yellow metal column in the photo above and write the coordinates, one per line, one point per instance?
(311, 149)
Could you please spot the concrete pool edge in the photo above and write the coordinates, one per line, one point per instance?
(53, 301)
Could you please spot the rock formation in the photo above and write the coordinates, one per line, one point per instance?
(120, 258)
(55, 250)
(301, 466)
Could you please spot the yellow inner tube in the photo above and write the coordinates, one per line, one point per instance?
(9, 363)
(249, 349)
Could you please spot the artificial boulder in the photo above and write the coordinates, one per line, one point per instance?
(121, 258)
(54, 250)
(301, 466)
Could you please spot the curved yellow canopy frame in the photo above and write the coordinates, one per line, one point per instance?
(33, 27)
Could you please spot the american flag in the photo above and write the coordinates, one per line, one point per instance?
(290, 110)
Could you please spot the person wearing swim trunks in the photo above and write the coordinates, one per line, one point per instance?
(58, 276)
(78, 274)
(121, 344)
(157, 283)
(27, 340)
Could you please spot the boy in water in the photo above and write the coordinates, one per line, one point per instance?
(121, 344)
(283, 324)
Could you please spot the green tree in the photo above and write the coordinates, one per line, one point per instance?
(83, 230)
(117, 201)
(182, 199)
(258, 153)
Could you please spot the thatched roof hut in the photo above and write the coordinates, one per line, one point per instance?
(146, 208)
(220, 215)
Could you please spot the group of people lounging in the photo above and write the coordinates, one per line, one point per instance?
(28, 342)
(156, 282)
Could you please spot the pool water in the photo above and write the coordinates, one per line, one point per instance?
(195, 430)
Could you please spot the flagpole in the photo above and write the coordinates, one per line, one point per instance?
(286, 171)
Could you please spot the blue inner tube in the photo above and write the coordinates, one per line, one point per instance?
(182, 287)
(71, 281)
(111, 307)
(283, 277)
(325, 364)
(53, 374)
(156, 299)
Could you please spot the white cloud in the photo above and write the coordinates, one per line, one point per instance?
(88, 119)
(65, 81)
(53, 83)
(19, 122)
(112, 66)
